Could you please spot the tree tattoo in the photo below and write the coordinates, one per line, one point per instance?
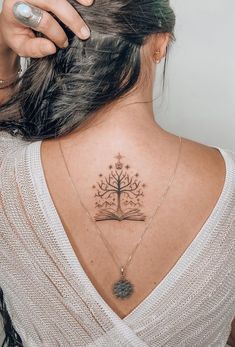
(119, 194)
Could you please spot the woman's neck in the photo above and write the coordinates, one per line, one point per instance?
(128, 122)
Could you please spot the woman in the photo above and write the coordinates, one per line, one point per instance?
(114, 232)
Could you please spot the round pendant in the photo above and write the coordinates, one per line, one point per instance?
(123, 289)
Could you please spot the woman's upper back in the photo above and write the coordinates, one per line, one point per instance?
(46, 247)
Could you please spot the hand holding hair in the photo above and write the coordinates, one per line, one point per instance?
(19, 20)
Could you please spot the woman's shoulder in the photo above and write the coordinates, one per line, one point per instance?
(209, 169)
(214, 155)
(227, 153)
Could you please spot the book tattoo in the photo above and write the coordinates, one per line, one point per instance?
(119, 194)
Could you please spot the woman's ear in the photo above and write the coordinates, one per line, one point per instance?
(161, 43)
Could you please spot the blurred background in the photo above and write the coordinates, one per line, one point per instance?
(198, 101)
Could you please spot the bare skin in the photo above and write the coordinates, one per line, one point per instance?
(152, 152)
(198, 184)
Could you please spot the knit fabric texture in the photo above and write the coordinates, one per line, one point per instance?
(51, 300)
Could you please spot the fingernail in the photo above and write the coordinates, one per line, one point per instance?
(85, 31)
(66, 44)
(49, 50)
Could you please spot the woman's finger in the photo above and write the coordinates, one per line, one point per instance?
(66, 13)
(37, 47)
(51, 28)
(86, 2)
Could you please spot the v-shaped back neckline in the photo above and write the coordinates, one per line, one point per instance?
(55, 224)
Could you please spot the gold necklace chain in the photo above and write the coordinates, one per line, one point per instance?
(123, 288)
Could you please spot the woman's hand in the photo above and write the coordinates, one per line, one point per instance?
(22, 40)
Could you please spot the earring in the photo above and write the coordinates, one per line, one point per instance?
(157, 53)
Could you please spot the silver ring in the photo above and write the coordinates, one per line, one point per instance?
(27, 14)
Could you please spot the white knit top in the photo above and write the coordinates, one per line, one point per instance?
(53, 303)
